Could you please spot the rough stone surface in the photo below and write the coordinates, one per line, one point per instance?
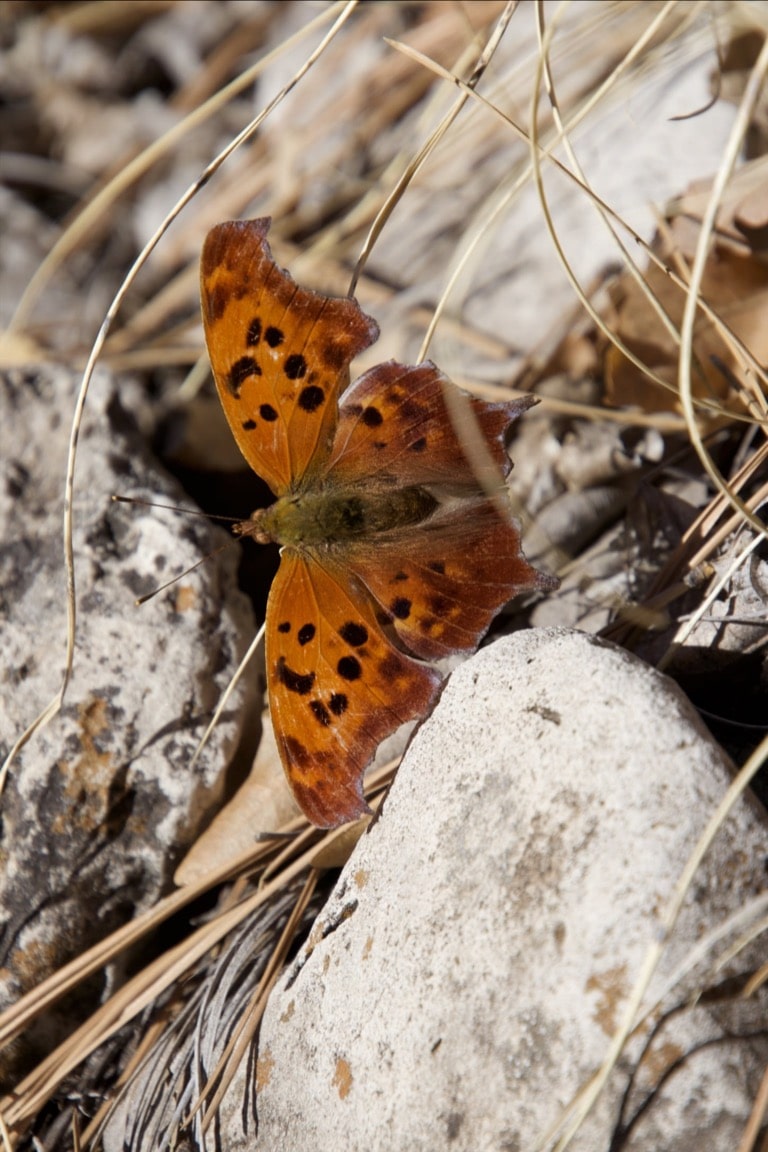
(464, 981)
(101, 803)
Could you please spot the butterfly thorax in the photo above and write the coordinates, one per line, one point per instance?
(332, 516)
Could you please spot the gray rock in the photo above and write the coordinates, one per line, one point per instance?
(464, 981)
(100, 804)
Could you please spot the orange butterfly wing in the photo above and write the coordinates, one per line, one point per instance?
(338, 608)
(279, 353)
(337, 686)
(442, 587)
(394, 429)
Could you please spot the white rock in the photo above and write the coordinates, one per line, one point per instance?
(101, 803)
(465, 978)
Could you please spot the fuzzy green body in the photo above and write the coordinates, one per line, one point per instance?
(314, 519)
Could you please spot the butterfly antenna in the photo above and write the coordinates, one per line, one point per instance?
(175, 508)
(186, 572)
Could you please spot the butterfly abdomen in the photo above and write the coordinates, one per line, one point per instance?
(317, 518)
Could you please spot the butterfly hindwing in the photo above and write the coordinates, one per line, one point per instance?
(442, 589)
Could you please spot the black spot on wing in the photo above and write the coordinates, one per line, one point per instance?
(268, 413)
(295, 366)
(253, 335)
(311, 398)
(349, 668)
(298, 682)
(249, 425)
(439, 605)
(335, 355)
(338, 703)
(372, 418)
(306, 633)
(274, 337)
(401, 608)
(320, 712)
(284, 626)
(355, 634)
(240, 371)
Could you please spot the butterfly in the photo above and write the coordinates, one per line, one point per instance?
(393, 553)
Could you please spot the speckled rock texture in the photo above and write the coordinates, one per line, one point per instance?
(464, 981)
(101, 803)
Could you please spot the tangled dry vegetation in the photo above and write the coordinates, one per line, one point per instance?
(473, 165)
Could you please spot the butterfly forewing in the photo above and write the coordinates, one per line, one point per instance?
(337, 686)
(279, 353)
(395, 428)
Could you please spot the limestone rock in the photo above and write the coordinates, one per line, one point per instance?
(465, 979)
(100, 804)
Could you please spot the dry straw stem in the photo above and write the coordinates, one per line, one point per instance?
(412, 166)
(458, 406)
(746, 110)
(699, 542)
(687, 626)
(754, 399)
(18, 1109)
(295, 849)
(505, 198)
(253, 648)
(749, 1139)
(634, 1012)
(540, 151)
(128, 174)
(581, 1108)
(220, 1079)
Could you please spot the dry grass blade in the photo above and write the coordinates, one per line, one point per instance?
(751, 1135)
(279, 865)
(546, 35)
(244, 1033)
(30, 1095)
(502, 204)
(253, 648)
(746, 921)
(133, 171)
(746, 111)
(18, 1016)
(687, 627)
(430, 144)
(698, 543)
